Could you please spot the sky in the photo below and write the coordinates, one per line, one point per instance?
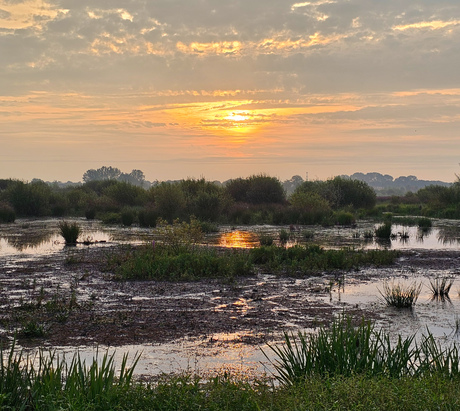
(229, 88)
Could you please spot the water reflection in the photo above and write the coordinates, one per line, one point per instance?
(239, 239)
(31, 240)
(449, 235)
(41, 237)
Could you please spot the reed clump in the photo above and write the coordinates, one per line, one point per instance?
(440, 287)
(70, 232)
(399, 295)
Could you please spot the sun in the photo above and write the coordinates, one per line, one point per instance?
(237, 116)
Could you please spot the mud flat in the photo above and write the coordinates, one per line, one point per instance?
(67, 300)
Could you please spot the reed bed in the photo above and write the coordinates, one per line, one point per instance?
(47, 381)
(346, 350)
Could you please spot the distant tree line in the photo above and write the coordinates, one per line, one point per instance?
(385, 185)
(116, 197)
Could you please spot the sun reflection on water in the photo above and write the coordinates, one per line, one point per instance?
(239, 239)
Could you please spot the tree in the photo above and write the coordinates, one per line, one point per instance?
(135, 177)
(103, 173)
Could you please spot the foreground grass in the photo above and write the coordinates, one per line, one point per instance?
(338, 393)
(351, 370)
(355, 392)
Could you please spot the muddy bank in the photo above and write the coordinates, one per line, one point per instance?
(69, 299)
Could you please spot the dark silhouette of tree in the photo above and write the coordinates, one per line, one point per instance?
(257, 189)
(103, 173)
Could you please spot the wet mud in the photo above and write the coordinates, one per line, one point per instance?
(70, 299)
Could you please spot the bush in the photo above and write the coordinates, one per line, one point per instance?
(383, 231)
(111, 218)
(265, 240)
(344, 218)
(148, 217)
(7, 214)
(31, 199)
(342, 192)
(257, 189)
(424, 223)
(169, 201)
(127, 217)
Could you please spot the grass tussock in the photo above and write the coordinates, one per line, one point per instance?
(440, 287)
(399, 295)
(70, 231)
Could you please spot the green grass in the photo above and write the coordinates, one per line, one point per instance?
(400, 295)
(173, 263)
(70, 232)
(342, 367)
(47, 382)
(344, 349)
(308, 259)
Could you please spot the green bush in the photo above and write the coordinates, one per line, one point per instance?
(383, 231)
(110, 218)
(344, 218)
(7, 214)
(148, 216)
(266, 240)
(128, 216)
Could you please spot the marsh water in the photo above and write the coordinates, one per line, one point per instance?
(241, 351)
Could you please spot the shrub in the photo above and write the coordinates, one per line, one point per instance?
(265, 239)
(90, 213)
(424, 223)
(127, 217)
(70, 232)
(111, 218)
(7, 214)
(148, 217)
(284, 236)
(257, 189)
(169, 201)
(383, 231)
(344, 218)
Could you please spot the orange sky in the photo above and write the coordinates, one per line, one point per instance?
(228, 89)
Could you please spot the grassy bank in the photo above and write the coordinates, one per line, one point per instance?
(351, 369)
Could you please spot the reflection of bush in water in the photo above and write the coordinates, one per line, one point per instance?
(29, 240)
(449, 235)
